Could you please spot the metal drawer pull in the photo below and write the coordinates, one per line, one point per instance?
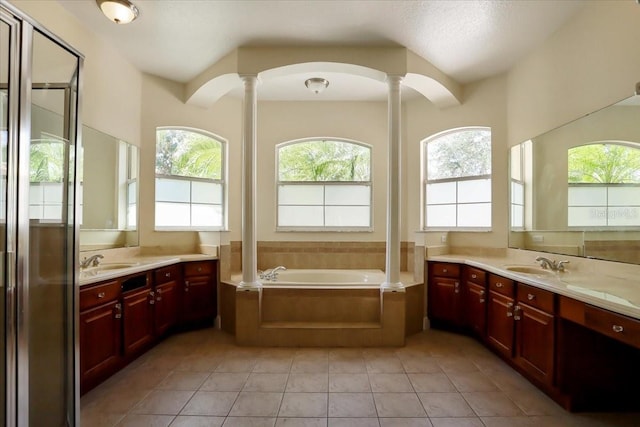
(499, 284)
(118, 308)
(516, 311)
(531, 297)
(199, 269)
(509, 312)
(617, 328)
(186, 286)
(482, 293)
(473, 276)
(444, 270)
(456, 287)
(167, 274)
(101, 294)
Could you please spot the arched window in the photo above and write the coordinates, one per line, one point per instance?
(457, 179)
(190, 180)
(323, 184)
(604, 185)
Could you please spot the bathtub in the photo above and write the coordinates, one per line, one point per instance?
(324, 278)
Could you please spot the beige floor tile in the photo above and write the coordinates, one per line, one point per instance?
(426, 383)
(120, 400)
(384, 365)
(163, 402)
(197, 421)
(210, 403)
(351, 405)
(510, 422)
(225, 381)
(273, 365)
(398, 405)
(492, 404)
(347, 366)
(256, 404)
(303, 405)
(100, 419)
(199, 363)
(233, 364)
(534, 402)
(307, 382)
(353, 422)
(392, 383)
(141, 378)
(183, 380)
(301, 422)
(471, 381)
(139, 420)
(266, 382)
(508, 380)
(345, 383)
(309, 365)
(423, 365)
(445, 405)
(456, 365)
(249, 422)
(405, 422)
(459, 422)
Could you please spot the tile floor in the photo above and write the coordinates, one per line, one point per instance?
(438, 379)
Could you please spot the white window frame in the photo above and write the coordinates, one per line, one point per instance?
(324, 185)
(606, 210)
(457, 180)
(222, 182)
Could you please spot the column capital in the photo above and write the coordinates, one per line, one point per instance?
(395, 78)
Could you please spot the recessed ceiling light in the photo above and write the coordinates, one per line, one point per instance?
(118, 11)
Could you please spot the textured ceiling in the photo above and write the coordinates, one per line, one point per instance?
(469, 39)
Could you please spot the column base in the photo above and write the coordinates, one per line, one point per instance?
(249, 286)
(392, 287)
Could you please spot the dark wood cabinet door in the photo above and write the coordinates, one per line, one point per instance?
(166, 307)
(475, 308)
(100, 343)
(535, 342)
(198, 299)
(138, 320)
(500, 325)
(444, 300)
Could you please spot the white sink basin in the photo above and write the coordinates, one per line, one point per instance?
(107, 268)
(530, 270)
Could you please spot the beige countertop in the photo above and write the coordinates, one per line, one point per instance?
(113, 268)
(618, 292)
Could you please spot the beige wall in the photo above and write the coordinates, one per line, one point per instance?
(111, 97)
(589, 63)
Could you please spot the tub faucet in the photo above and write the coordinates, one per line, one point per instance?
(272, 273)
(92, 261)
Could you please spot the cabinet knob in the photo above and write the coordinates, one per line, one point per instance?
(516, 311)
(167, 274)
(482, 293)
(474, 276)
(101, 294)
(509, 311)
(186, 286)
(444, 270)
(199, 269)
(499, 284)
(118, 314)
(531, 297)
(456, 287)
(617, 328)
(159, 291)
(159, 298)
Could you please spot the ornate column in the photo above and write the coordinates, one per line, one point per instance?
(249, 245)
(392, 280)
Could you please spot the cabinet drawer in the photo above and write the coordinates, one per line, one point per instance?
(476, 276)
(501, 285)
(198, 268)
(440, 269)
(167, 274)
(535, 297)
(614, 325)
(99, 294)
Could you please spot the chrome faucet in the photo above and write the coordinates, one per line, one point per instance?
(552, 265)
(92, 261)
(272, 273)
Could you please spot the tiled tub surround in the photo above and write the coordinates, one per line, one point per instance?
(578, 340)
(330, 315)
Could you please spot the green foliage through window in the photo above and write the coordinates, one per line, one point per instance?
(459, 154)
(187, 153)
(604, 164)
(322, 160)
(46, 159)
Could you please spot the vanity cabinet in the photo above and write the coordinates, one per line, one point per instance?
(100, 332)
(500, 325)
(199, 293)
(444, 301)
(535, 332)
(474, 296)
(138, 319)
(167, 281)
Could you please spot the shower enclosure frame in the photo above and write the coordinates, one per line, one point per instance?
(17, 394)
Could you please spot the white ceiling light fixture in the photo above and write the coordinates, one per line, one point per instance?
(118, 11)
(316, 84)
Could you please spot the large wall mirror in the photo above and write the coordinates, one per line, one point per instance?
(575, 190)
(108, 172)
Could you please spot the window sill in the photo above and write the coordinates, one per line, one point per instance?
(324, 229)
